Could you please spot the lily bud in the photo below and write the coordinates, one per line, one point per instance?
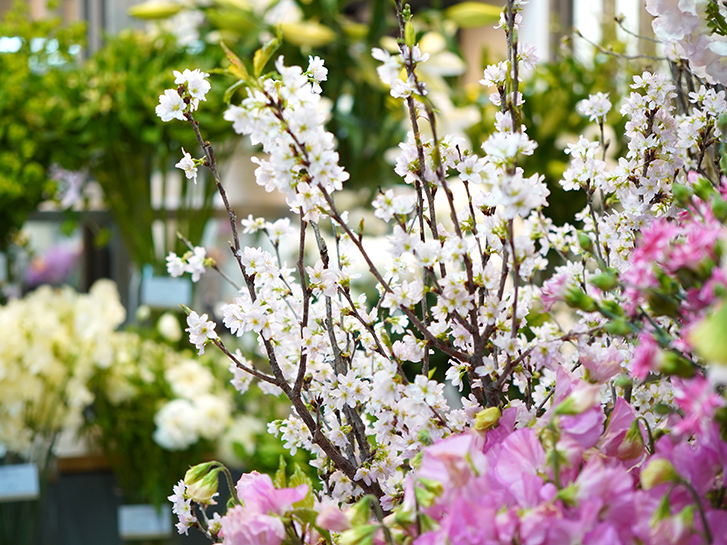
(658, 472)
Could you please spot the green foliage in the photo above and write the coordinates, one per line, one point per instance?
(31, 112)
(116, 133)
(715, 20)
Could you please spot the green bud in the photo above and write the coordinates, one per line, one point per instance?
(618, 326)
(202, 482)
(425, 498)
(360, 512)
(719, 209)
(431, 485)
(682, 194)
(623, 381)
(360, 535)
(661, 304)
(585, 241)
(611, 307)
(604, 281)
(633, 444)
(487, 418)
(703, 189)
(577, 298)
(658, 472)
(674, 364)
(409, 34)
(709, 336)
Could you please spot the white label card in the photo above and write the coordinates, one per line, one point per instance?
(144, 521)
(19, 482)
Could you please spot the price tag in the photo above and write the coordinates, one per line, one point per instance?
(164, 291)
(144, 522)
(19, 482)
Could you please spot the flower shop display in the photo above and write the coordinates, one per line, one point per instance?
(52, 339)
(590, 356)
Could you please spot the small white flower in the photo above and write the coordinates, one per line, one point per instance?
(171, 106)
(188, 165)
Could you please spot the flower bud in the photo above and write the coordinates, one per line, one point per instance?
(682, 194)
(409, 34)
(618, 326)
(658, 472)
(709, 336)
(604, 281)
(332, 518)
(202, 481)
(155, 9)
(577, 298)
(675, 364)
(585, 241)
(360, 535)
(719, 209)
(473, 14)
(487, 418)
(633, 444)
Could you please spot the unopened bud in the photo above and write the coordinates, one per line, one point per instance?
(675, 364)
(409, 34)
(658, 472)
(633, 444)
(487, 418)
(682, 194)
(577, 298)
(585, 241)
(719, 209)
(604, 281)
(202, 482)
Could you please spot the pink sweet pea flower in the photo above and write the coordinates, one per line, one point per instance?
(259, 495)
(698, 400)
(242, 526)
(645, 356)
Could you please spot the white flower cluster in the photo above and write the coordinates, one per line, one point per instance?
(455, 289)
(52, 340)
(284, 116)
(174, 103)
(193, 262)
(200, 410)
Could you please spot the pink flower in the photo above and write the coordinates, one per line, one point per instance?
(655, 239)
(602, 363)
(645, 356)
(243, 526)
(259, 495)
(696, 398)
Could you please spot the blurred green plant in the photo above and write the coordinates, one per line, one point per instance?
(124, 144)
(35, 59)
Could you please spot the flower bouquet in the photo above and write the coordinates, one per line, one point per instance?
(590, 356)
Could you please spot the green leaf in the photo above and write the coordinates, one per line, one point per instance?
(279, 479)
(263, 55)
(298, 478)
(237, 67)
(473, 14)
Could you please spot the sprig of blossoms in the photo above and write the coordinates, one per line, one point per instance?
(175, 103)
